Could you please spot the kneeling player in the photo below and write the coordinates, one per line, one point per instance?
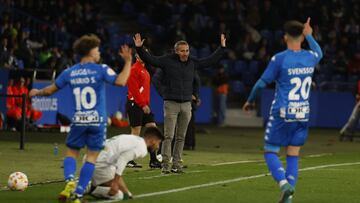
(107, 181)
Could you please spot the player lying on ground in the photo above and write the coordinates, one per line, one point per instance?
(107, 181)
(292, 70)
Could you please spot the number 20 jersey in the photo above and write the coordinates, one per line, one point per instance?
(87, 84)
(292, 71)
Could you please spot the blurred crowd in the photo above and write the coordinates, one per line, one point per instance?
(39, 34)
(254, 31)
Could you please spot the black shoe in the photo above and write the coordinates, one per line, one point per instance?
(165, 170)
(155, 164)
(177, 170)
(133, 164)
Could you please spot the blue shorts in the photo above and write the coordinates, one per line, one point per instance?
(92, 136)
(281, 133)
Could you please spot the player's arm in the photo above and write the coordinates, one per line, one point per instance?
(250, 103)
(267, 77)
(143, 54)
(314, 46)
(119, 183)
(214, 57)
(125, 53)
(60, 82)
(49, 90)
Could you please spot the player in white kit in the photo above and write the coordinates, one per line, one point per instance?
(107, 181)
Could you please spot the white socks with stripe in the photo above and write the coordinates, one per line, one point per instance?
(103, 192)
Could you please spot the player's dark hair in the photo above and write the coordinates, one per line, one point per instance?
(294, 28)
(85, 44)
(154, 131)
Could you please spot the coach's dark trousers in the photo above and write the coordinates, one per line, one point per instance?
(177, 114)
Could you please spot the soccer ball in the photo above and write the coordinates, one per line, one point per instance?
(18, 181)
(118, 115)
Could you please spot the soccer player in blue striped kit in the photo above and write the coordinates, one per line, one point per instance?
(292, 71)
(87, 82)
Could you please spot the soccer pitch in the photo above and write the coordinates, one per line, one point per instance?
(227, 166)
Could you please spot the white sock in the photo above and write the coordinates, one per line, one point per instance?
(282, 182)
(103, 192)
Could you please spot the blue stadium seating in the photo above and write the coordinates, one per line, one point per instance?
(320, 78)
(227, 63)
(204, 52)
(193, 52)
(353, 78)
(338, 78)
(239, 67)
(254, 67)
(144, 20)
(248, 78)
(237, 86)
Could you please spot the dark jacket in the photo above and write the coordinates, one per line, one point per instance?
(158, 81)
(179, 76)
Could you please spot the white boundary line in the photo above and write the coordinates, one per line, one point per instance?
(166, 175)
(227, 181)
(237, 162)
(319, 155)
(258, 161)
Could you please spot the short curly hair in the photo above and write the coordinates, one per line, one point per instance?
(85, 44)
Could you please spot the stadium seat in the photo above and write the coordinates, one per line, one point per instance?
(335, 86)
(279, 34)
(128, 8)
(237, 86)
(20, 63)
(350, 87)
(204, 52)
(326, 68)
(239, 67)
(113, 29)
(254, 67)
(248, 78)
(158, 31)
(227, 63)
(193, 52)
(338, 78)
(320, 78)
(144, 20)
(353, 78)
(267, 34)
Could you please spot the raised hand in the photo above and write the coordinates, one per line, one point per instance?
(307, 28)
(137, 40)
(125, 53)
(223, 40)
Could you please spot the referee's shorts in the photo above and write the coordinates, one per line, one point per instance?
(136, 115)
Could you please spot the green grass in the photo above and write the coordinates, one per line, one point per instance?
(218, 145)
